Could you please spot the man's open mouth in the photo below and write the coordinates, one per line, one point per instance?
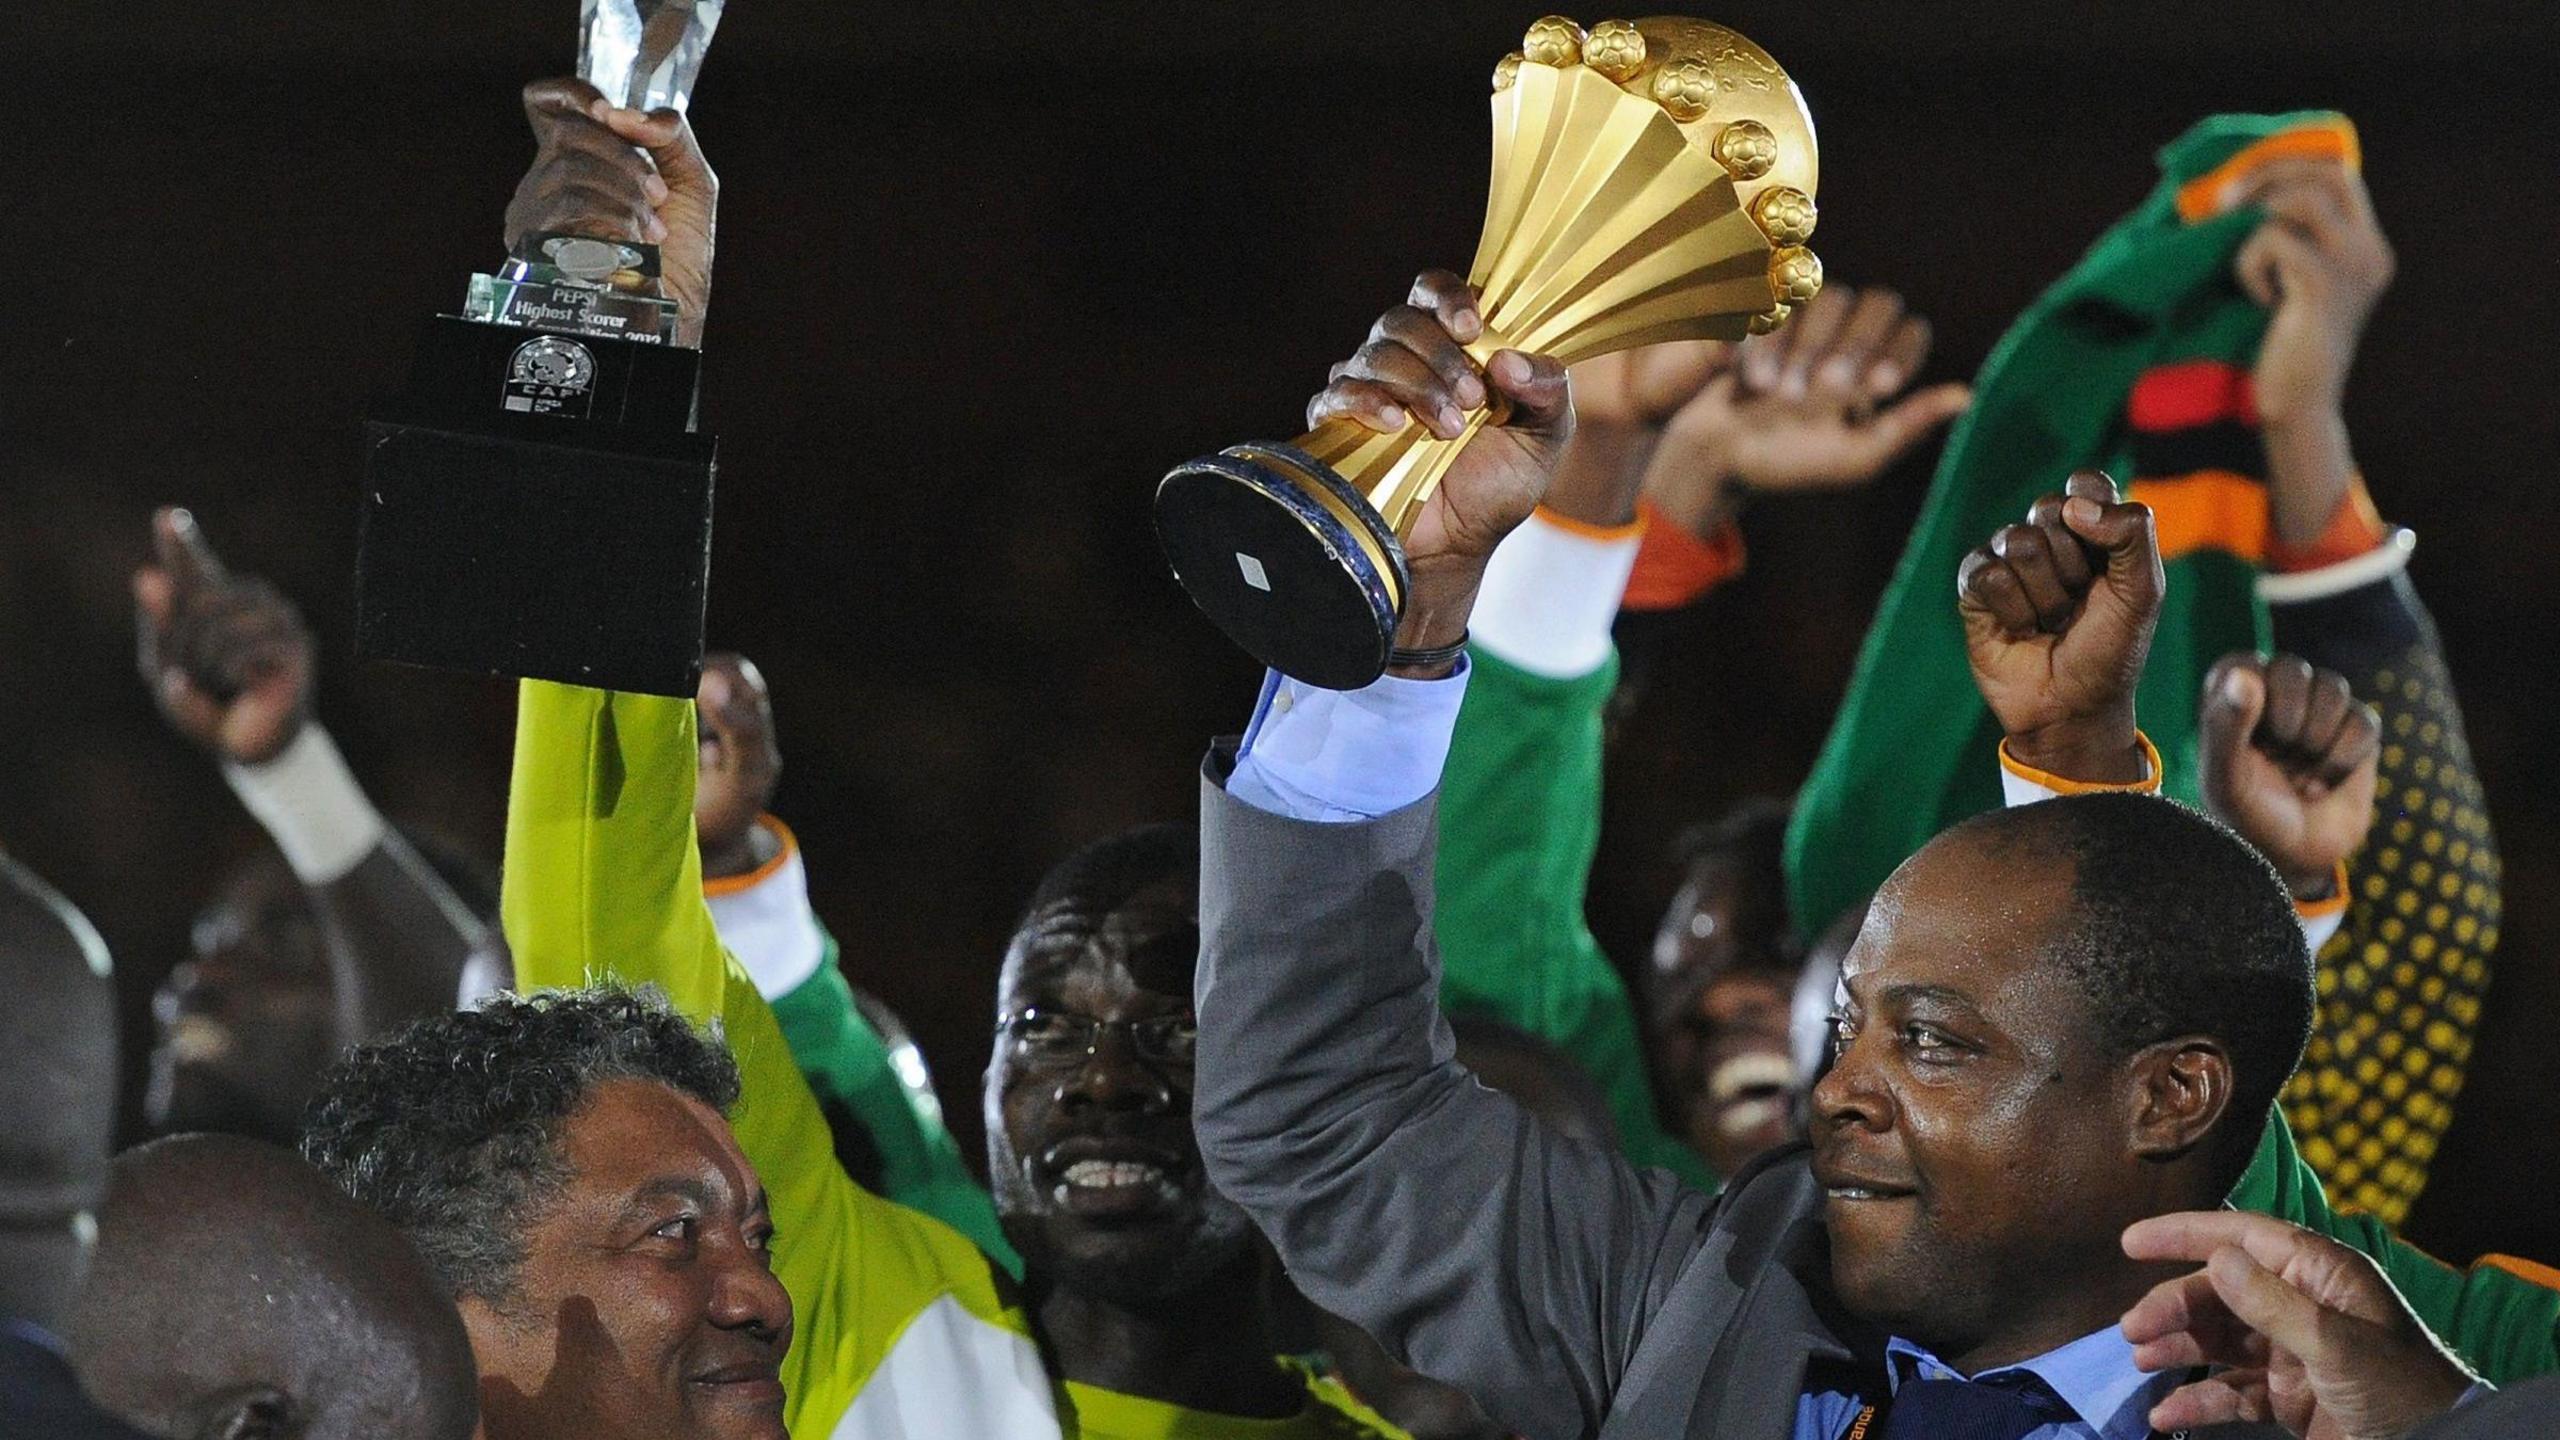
(1751, 1092)
(1112, 1176)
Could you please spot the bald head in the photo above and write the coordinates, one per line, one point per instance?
(58, 1077)
(236, 1292)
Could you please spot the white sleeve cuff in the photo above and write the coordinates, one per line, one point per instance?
(309, 801)
(765, 920)
(2017, 790)
(2317, 929)
(1343, 755)
(1550, 595)
(2379, 563)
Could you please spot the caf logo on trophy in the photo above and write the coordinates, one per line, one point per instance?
(1653, 180)
(550, 375)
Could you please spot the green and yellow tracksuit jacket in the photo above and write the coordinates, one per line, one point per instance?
(903, 1328)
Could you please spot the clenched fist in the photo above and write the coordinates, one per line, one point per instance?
(2290, 757)
(618, 174)
(2058, 613)
(739, 765)
(226, 656)
(1415, 367)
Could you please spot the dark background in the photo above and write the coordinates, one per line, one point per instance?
(986, 272)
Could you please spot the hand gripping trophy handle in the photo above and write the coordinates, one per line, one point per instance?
(537, 502)
(642, 55)
(1653, 180)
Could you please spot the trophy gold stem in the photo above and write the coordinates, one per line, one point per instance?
(1401, 471)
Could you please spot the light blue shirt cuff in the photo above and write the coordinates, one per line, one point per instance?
(1345, 755)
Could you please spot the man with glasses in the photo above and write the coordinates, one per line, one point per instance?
(1150, 1291)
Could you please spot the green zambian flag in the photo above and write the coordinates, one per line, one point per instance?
(2137, 362)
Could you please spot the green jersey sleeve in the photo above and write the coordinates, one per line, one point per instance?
(1519, 823)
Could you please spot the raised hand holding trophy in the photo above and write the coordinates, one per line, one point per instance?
(537, 503)
(1652, 180)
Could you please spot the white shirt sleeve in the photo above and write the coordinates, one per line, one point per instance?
(311, 805)
(1550, 596)
(1345, 755)
(766, 921)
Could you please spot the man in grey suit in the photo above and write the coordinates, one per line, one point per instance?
(2059, 1020)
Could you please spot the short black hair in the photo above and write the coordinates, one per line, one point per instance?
(2178, 927)
(1104, 874)
(1754, 831)
(451, 1126)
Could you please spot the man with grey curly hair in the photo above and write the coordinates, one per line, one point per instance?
(565, 1164)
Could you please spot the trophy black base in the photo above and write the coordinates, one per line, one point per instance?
(1287, 559)
(536, 506)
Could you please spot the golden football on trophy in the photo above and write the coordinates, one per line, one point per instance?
(1653, 180)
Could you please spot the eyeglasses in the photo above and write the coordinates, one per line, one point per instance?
(1063, 1034)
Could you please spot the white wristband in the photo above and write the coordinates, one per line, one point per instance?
(765, 920)
(311, 805)
(1549, 597)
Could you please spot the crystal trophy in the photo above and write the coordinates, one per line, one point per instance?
(537, 502)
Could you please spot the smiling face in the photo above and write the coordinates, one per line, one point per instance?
(1096, 1170)
(241, 1027)
(646, 1307)
(1979, 1149)
(1718, 1001)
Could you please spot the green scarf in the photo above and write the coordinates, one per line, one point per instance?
(2136, 362)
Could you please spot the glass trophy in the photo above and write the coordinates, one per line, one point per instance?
(537, 501)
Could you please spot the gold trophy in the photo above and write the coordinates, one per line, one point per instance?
(1653, 180)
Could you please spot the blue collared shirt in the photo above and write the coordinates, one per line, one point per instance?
(1340, 756)
(1345, 755)
(2095, 1376)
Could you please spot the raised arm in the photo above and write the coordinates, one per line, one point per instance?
(1401, 1193)
(869, 1078)
(1692, 430)
(604, 882)
(228, 660)
(1520, 801)
(2058, 622)
(2423, 899)
(2422, 896)
(1824, 403)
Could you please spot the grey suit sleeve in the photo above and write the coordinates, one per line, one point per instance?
(1514, 1263)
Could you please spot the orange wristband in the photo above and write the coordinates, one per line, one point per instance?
(2065, 785)
(1674, 567)
(715, 887)
(2355, 528)
(2337, 901)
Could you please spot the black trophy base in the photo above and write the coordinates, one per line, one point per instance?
(1286, 558)
(536, 506)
